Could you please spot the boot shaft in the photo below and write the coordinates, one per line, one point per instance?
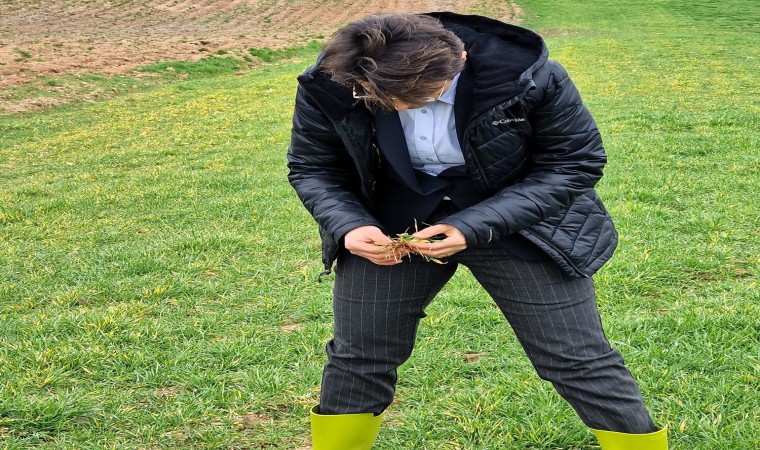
(612, 440)
(343, 431)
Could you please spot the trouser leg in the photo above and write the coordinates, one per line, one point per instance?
(376, 313)
(557, 322)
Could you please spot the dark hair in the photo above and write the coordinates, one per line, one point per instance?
(393, 56)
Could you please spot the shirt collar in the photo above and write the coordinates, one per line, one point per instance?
(451, 92)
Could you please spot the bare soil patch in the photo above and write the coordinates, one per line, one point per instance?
(56, 37)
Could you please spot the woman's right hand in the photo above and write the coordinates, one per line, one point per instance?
(368, 242)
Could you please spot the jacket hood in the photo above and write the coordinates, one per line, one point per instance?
(500, 57)
(501, 60)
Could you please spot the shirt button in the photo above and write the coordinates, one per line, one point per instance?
(423, 111)
(423, 138)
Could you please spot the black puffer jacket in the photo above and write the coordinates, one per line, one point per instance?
(531, 147)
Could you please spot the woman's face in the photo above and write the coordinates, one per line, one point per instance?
(436, 91)
(401, 105)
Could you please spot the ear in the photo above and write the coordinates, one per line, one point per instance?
(464, 56)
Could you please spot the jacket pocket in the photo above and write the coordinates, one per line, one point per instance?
(503, 159)
(581, 237)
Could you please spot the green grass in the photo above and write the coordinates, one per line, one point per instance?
(270, 55)
(71, 89)
(209, 66)
(157, 273)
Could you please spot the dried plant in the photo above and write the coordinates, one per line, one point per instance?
(401, 245)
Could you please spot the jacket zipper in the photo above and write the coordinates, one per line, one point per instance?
(471, 155)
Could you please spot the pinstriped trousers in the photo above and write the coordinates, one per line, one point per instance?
(377, 310)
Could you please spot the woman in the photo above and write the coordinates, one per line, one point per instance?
(463, 123)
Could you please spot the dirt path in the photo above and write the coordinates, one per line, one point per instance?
(112, 37)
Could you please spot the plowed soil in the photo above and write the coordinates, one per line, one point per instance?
(113, 37)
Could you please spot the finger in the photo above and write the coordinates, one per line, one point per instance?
(433, 252)
(431, 231)
(438, 249)
(365, 250)
(432, 246)
(379, 239)
(380, 253)
(385, 261)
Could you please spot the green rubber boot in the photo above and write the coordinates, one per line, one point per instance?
(611, 440)
(343, 431)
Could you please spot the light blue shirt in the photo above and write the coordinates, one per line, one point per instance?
(431, 134)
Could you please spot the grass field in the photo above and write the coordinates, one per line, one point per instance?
(158, 275)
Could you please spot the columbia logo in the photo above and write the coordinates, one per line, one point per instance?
(503, 121)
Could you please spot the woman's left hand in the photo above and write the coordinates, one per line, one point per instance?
(453, 242)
